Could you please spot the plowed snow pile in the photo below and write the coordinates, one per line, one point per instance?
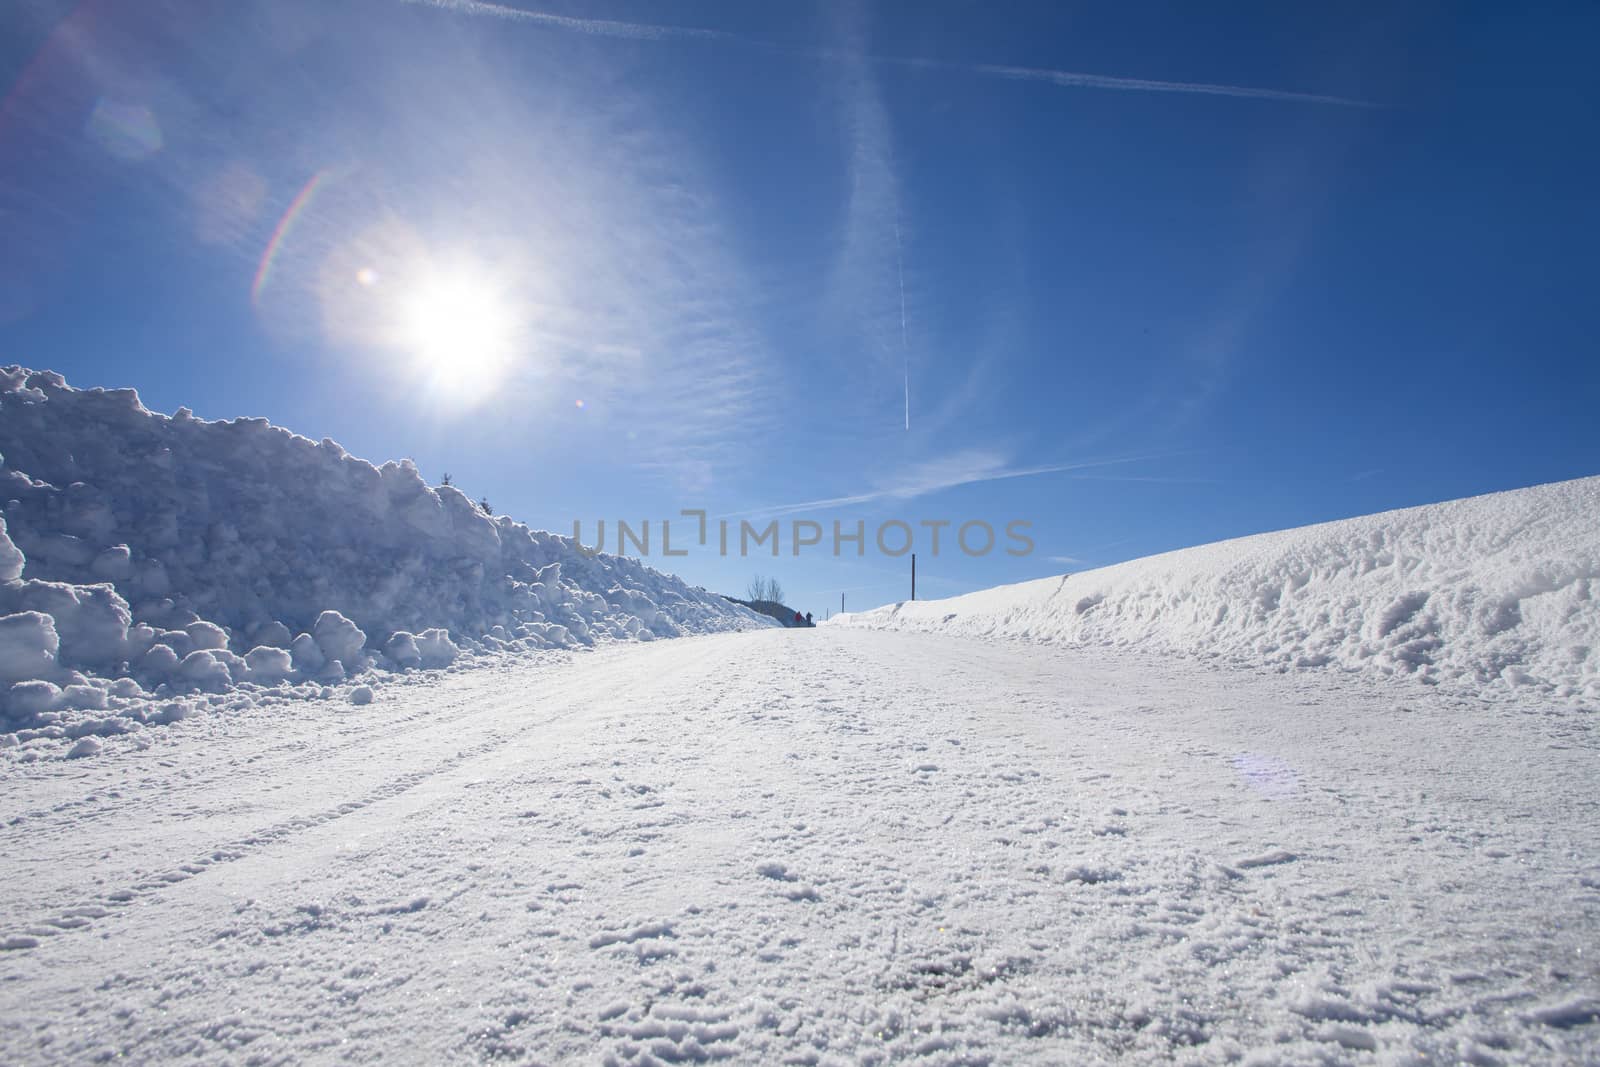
(1496, 593)
(146, 556)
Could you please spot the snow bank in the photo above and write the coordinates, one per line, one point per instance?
(143, 556)
(1492, 592)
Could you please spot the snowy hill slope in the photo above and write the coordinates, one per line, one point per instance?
(142, 554)
(1491, 592)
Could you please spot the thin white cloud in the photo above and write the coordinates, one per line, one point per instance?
(1067, 79)
(1144, 478)
(574, 190)
(865, 299)
(692, 349)
(636, 31)
(905, 343)
(1077, 80)
(1065, 559)
(963, 468)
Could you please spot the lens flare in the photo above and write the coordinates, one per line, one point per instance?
(1268, 776)
(127, 131)
(281, 233)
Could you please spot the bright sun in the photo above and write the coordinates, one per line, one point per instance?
(461, 333)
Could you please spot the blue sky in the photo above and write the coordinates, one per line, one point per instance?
(1202, 271)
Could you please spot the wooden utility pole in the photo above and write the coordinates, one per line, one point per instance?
(913, 576)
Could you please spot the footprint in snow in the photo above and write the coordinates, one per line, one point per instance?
(1568, 1013)
(642, 932)
(797, 890)
(1267, 859)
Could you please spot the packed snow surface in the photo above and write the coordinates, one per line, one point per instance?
(1492, 594)
(152, 565)
(826, 846)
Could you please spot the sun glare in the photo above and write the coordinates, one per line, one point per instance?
(461, 332)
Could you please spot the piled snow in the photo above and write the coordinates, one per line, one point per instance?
(1491, 592)
(145, 556)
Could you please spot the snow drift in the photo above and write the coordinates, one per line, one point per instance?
(1484, 593)
(142, 555)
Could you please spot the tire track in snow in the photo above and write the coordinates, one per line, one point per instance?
(189, 799)
(310, 746)
(576, 692)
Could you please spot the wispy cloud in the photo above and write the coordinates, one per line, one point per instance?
(660, 333)
(574, 195)
(969, 467)
(636, 31)
(1066, 79)
(865, 301)
(677, 336)
(1070, 79)
(1156, 479)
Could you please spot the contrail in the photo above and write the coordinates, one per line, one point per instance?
(638, 31)
(1076, 80)
(905, 345)
(647, 31)
(914, 489)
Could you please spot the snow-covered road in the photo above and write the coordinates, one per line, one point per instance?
(818, 846)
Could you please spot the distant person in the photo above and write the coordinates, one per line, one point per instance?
(808, 619)
(797, 618)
